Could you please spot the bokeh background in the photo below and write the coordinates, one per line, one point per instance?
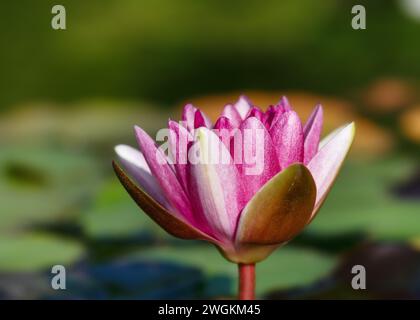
(67, 97)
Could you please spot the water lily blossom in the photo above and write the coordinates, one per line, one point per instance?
(245, 208)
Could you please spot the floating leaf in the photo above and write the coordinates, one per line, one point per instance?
(362, 201)
(113, 214)
(392, 272)
(42, 185)
(33, 252)
(90, 123)
(287, 266)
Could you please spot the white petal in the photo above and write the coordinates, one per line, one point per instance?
(134, 162)
(242, 106)
(325, 165)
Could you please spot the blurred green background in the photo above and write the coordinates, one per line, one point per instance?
(68, 96)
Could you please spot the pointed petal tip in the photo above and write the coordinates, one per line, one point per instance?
(285, 103)
(352, 125)
(352, 131)
(119, 148)
(245, 98)
(189, 105)
(242, 106)
(319, 107)
(141, 135)
(327, 163)
(138, 130)
(349, 130)
(223, 123)
(128, 153)
(312, 133)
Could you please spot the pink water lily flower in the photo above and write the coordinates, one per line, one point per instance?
(245, 215)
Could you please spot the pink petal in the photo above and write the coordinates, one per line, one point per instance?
(256, 113)
(179, 141)
(133, 161)
(279, 111)
(287, 136)
(201, 120)
(259, 159)
(268, 116)
(215, 185)
(312, 134)
(188, 116)
(164, 174)
(325, 165)
(274, 113)
(223, 123)
(223, 129)
(233, 115)
(169, 221)
(198, 120)
(284, 104)
(242, 106)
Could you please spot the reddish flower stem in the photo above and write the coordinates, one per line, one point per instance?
(246, 281)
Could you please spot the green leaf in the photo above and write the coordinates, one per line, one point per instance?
(362, 201)
(115, 214)
(286, 267)
(34, 252)
(42, 185)
(86, 124)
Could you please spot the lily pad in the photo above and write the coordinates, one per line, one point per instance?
(40, 185)
(106, 123)
(36, 252)
(90, 123)
(392, 272)
(288, 266)
(362, 201)
(114, 215)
